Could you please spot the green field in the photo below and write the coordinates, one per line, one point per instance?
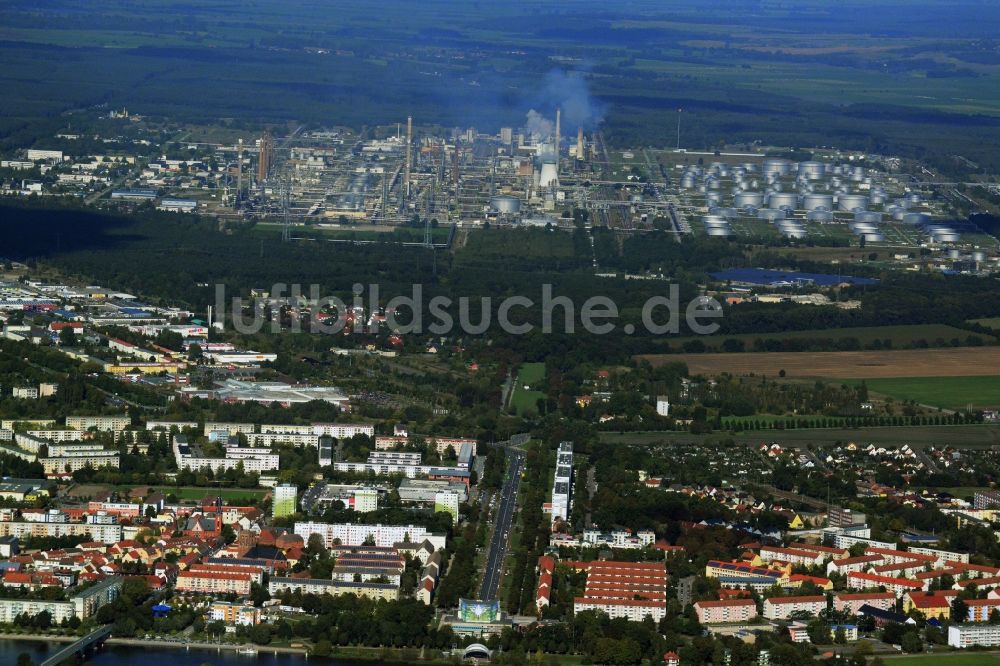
(191, 493)
(946, 392)
(524, 401)
(948, 659)
(965, 436)
(991, 322)
(901, 336)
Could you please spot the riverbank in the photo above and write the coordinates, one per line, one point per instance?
(352, 653)
(40, 638)
(199, 645)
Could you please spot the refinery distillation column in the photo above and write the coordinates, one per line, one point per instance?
(409, 157)
(558, 136)
(264, 160)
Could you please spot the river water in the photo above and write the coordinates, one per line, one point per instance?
(120, 655)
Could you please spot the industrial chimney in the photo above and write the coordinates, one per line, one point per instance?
(558, 135)
(579, 143)
(409, 156)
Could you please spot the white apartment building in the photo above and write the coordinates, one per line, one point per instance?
(57, 435)
(356, 535)
(634, 610)
(167, 425)
(74, 461)
(231, 428)
(968, 635)
(107, 423)
(81, 605)
(343, 430)
(366, 499)
(562, 488)
(272, 438)
(941, 555)
(280, 429)
(94, 532)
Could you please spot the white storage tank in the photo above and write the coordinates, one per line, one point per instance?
(852, 202)
(815, 201)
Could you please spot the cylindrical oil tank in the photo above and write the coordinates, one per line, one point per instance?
(954, 254)
(783, 200)
(771, 214)
(979, 256)
(821, 216)
(874, 237)
(812, 170)
(913, 197)
(868, 216)
(728, 213)
(852, 202)
(687, 182)
(916, 218)
(897, 213)
(857, 173)
(877, 198)
(744, 199)
(714, 220)
(749, 167)
(777, 166)
(719, 231)
(712, 183)
(948, 236)
(814, 201)
(505, 204)
(713, 198)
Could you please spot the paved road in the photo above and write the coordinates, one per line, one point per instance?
(685, 588)
(502, 525)
(93, 638)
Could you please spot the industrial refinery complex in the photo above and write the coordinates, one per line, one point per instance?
(334, 183)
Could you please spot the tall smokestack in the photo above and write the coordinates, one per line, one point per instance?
(579, 143)
(409, 155)
(239, 171)
(558, 135)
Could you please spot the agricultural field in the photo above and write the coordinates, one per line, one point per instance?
(964, 436)
(950, 362)
(945, 392)
(526, 395)
(900, 336)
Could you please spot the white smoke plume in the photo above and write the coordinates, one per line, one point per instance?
(540, 127)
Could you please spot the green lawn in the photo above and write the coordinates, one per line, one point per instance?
(190, 493)
(525, 401)
(946, 392)
(948, 659)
